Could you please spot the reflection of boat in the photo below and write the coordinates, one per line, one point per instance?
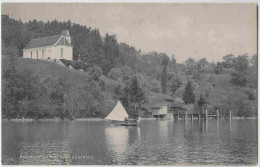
(119, 114)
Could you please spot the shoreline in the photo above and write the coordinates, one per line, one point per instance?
(93, 119)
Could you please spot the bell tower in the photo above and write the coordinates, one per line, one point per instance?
(66, 34)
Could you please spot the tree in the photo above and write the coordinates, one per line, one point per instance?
(11, 95)
(190, 62)
(238, 79)
(21, 92)
(229, 61)
(201, 101)
(139, 90)
(254, 61)
(165, 62)
(189, 96)
(96, 77)
(90, 48)
(118, 92)
(202, 64)
(190, 66)
(241, 63)
(127, 73)
(115, 74)
(250, 92)
(155, 86)
(10, 51)
(128, 56)
(111, 51)
(57, 88)
(173, 59)
(219, 68)
(175, 84)
(91, 93)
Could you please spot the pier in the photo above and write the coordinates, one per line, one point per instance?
(198, 116)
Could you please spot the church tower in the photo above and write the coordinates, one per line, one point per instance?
(66, 34)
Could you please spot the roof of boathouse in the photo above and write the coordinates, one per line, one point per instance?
(159, 105)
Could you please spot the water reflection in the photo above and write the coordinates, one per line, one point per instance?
(117, 138)
(120, 140)
(218, 142)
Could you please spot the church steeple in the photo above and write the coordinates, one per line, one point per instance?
(66, 34)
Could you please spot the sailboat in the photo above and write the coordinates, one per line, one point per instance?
(119, 114)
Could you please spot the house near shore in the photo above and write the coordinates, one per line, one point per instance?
(50, 48)
(159, 111)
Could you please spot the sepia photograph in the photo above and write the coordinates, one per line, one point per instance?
(129, 83)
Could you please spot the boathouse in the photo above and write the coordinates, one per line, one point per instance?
(159, 111)
(52, 47)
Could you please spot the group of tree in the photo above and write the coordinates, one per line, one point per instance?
(133, 94)
(26, 95)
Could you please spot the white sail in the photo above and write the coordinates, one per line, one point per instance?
(118, 113)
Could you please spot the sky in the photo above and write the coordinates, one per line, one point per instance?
(183, 30)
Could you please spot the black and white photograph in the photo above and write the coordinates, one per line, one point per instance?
(148, 83)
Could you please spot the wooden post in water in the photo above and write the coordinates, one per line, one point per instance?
(206, 115)
(217, 115)
(230, 115)
(178, 117)
(186, 115)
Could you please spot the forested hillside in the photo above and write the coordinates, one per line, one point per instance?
(41, 89)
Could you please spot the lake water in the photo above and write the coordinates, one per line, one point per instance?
(152, 142)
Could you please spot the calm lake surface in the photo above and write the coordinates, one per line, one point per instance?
(152, 142)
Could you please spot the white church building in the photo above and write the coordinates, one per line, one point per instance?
(53, 47)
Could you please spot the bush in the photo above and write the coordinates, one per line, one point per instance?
(212, 80)
(238, 79)
(75, 64)
(79, 65)
(250, 92)
(115, 74)
(188, 96)
(175, 84)
(127, 73)
(196, 75)
(219, 68)
(10, 51)
(241, 63)
(180, 92)
(155, 86)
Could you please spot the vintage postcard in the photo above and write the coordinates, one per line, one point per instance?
(129, 84)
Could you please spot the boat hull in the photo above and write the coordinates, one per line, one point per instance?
(128, 124)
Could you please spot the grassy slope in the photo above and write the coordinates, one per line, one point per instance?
(43, 69)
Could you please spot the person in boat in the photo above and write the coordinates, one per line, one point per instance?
(130, 120)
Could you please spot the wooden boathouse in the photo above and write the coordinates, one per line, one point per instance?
(159, 111)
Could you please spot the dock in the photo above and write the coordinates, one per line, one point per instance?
(197, 115)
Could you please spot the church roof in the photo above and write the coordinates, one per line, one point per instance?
(47, 41)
